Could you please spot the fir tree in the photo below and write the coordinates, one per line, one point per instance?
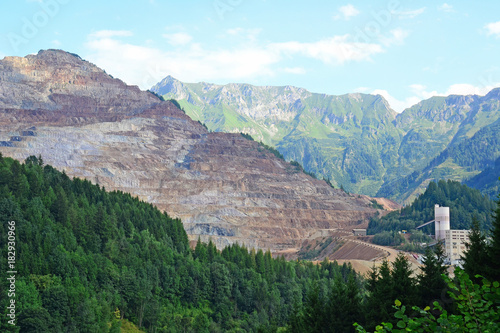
(475, 257)
(404, 287)
(430, 282)
(493, 268)
(380, 299)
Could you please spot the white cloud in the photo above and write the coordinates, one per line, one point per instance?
(420, 92)
(467, 89)
(346, 12)
(179, 38)
(337, 50)
(111, 33)
(56, 43)
(362, 90)
(294, 70)
(408, 14)
(396, 105)
(493, 28)
(248, 34)
(145, 65)
(396, 37)
(446, 8)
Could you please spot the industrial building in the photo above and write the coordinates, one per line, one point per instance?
(359, 232)
(454, 243)
(454, 240)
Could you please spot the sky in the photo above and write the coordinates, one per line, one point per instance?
(404, 50)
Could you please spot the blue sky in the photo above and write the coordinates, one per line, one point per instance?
(404, 50)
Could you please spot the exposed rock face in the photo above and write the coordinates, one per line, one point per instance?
(223, 186)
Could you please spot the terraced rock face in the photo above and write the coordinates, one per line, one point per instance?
(222, 186)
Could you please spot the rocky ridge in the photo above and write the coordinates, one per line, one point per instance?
(222, 186)
(356, 140)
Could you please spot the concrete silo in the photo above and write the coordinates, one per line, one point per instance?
(441, 221)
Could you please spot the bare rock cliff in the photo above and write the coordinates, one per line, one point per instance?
(223, 186)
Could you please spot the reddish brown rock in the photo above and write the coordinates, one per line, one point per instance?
(82, 121)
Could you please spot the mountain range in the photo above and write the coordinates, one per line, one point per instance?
(355, 140)
(222, 186)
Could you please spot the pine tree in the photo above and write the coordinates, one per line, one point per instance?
(404, 286)
(380, 299)
(493, 268)
(431, 284)
(475, 257)
(344, 304)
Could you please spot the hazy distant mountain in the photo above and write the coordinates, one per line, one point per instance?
(356, 140)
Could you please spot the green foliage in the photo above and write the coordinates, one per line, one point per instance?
(247, 136)
(162, 99)
(90, 261)
(274, 151)
(431, 283)
(327, 180)
(329, 306)
(202, 124)
(315, 252)
(462, 158)
(174, 102)
(478, 310)
(356, 139)
(379, 300)
(388, 238)
(492, 268)
(475, 257)
(376, 205)
(418, 236)
(487, 181)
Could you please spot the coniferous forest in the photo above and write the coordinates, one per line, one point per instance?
(87, 260)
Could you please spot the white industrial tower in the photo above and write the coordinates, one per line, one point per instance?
(441, 221)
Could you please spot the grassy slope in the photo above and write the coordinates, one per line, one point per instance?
(352, 139)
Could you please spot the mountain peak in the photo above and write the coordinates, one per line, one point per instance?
(493, 94)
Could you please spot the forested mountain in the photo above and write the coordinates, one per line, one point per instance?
(86, 259)
(487, 181)
(460, 160)
(465, 203)
(355, 140)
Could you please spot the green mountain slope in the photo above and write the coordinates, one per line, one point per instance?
(461, 160)
(355, 140)
(350, 139)
(487, 181)
(87, 260)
